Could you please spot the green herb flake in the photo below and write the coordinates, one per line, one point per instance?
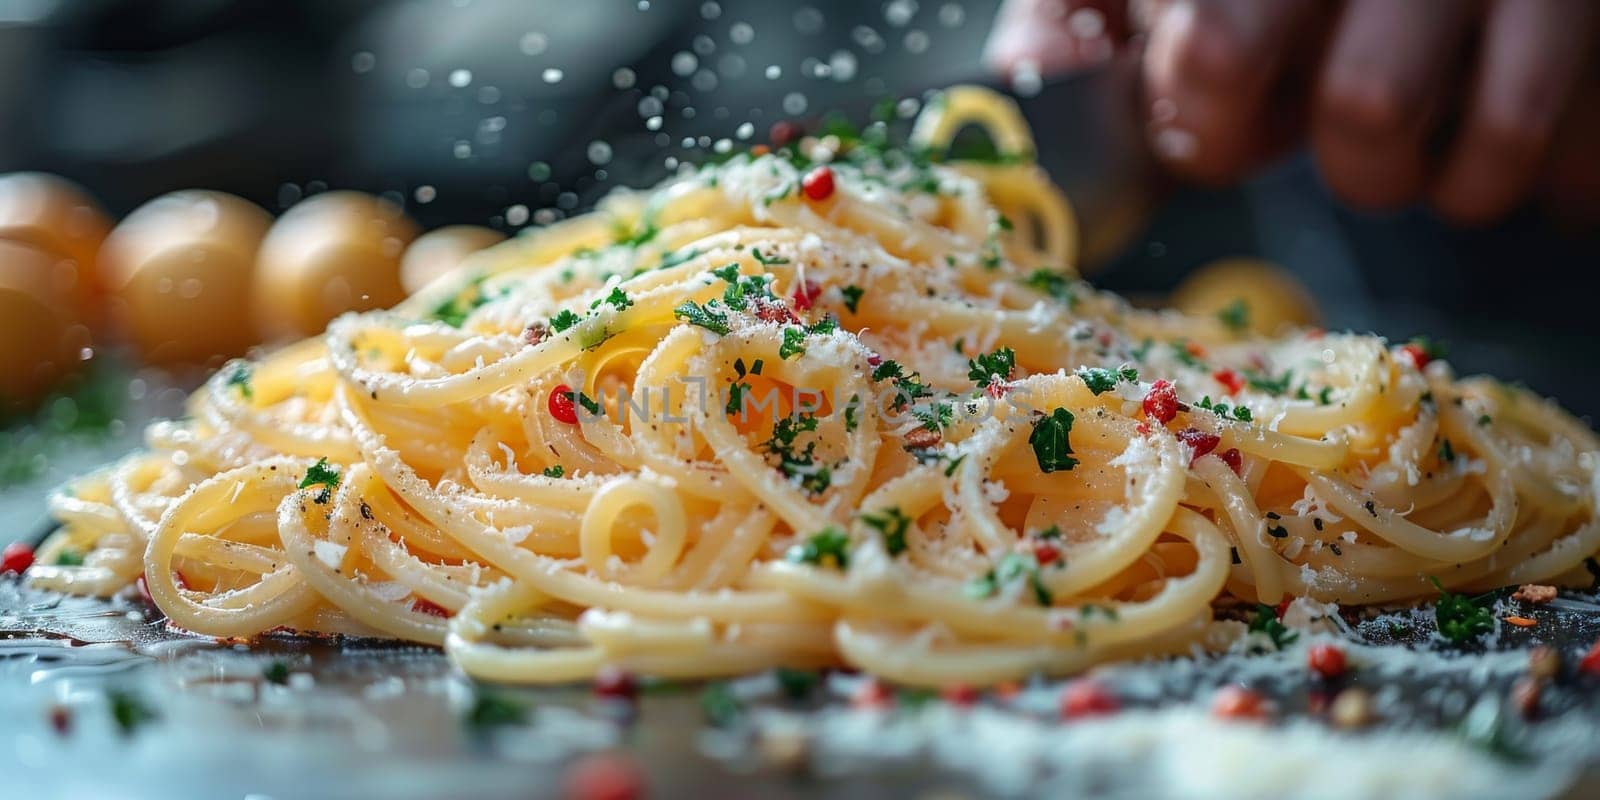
(564, 319)
(240, 378)
(830, 546)
(324, 475)
(69, 558)
(852, 296)
(554, 471)
(129, 711)
(1461, 619)
(491, 710)
(893, 525)
(1049, 441)
(276, 672)
(991, 367)
(704, 316)
(1235, 316)
(793, 343)
(1266, 621)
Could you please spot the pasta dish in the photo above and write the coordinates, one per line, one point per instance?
(836, 403)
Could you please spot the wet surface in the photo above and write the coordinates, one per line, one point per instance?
(293, 717)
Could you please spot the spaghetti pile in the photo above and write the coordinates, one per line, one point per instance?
(834, 404)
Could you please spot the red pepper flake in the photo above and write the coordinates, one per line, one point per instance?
(874, 360)
(760, 150)
(1006, 690)
(1143, 428)
(1590, 663)
(1229, 379)
(783, 132)
(922, 438)
(1415, 353)
(960, 694)
(1524, 696)
(423, 605)
(1234, 459)
(1315, 333)
(872, 693)
(1326, 660)
(604, 776)
(615, 683)
(1199, 441)
(562, 405)
(1087, 698)
(61, 719)
(1045, 553)
(1237, 702)
(771, 311)
(805, 294)
(1283, 607)
(1161, 403)
(1521, 622)
(17, 557)
(535, 333)
(1194, 349)
(818, 184)
(997, 389)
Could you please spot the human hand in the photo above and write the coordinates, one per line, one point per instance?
(1471, 105)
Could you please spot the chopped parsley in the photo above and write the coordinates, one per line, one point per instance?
(455, 309)
(564, 319)
(893, 525)
(647, 230)
(1052, 532)
(936, 416)
(1223, 410)
(908, 387)
(1049, 441)
(720, 706)
(1013, 567)
(852, 296)
(1266, 621)
(1101, 380)
(1266, 383)
(829, 546)
(617, 298)
(1235, 316)
(1051, 283)
(767, 260)
(276, 672)
(704, 316)
(324, 475)
(1446, 452)
(491, 710)
(793, 343)
(240, 378)
(129, 711)
(555, 471)
(1430, 348)
(991, 367)
(69, 558)
(1461, 619)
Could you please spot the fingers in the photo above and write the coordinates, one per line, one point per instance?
(1532, 58)
(1211, 69)
(1052, 36)
(1386, 83)
(1571, 182)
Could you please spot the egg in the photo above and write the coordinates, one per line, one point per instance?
(179, 273)
(441, 250)
(42, 338)
(1263, 296)
(333, 253)
(54, 215)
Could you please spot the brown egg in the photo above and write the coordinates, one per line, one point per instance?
(441, 250)
(54, 215)
(333, 253)
(179, 271)
(42, 339)
(1262, 295)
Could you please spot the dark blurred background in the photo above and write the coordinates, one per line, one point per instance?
(509, 114)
